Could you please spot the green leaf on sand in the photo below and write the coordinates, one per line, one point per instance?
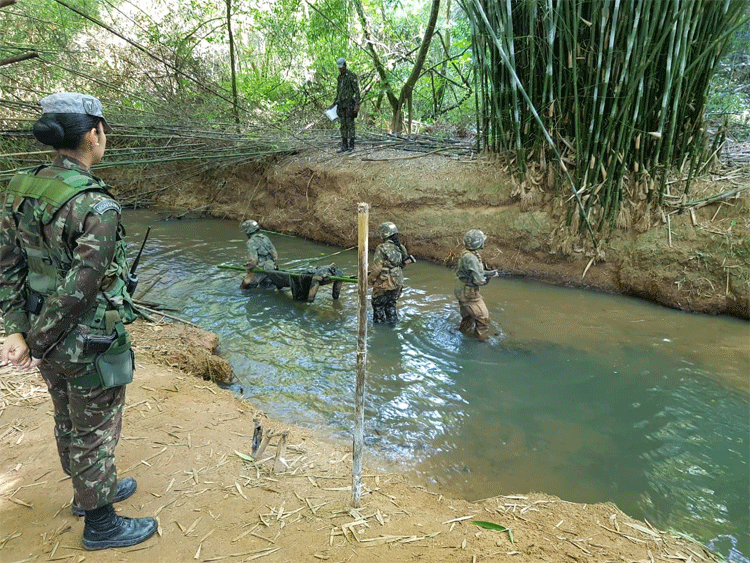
(496, 527)
(243, 456)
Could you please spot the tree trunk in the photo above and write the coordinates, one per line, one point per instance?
(405, 96)
(408, 88)
(232, 63)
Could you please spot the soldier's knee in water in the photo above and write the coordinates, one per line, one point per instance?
(336, 290)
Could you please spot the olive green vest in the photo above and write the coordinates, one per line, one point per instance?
(47, 267)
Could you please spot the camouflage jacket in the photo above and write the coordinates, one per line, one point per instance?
(470, 270)
(69, 252)
(347, 90)
(386, 272)
(261, 253)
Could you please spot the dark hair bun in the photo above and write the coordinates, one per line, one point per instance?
(49, 131)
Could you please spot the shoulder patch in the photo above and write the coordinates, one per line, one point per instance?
(105, 205)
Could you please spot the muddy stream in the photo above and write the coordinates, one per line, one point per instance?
(587, 396)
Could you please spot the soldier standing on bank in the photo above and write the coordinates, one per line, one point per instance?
(386, 275)
(475, 318)
(347, 100)
(261, 253)
(64, 296)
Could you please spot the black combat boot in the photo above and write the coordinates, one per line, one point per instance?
(125, 489)
(104, 529)
(351, 144)
(336, 289)
(344, 145)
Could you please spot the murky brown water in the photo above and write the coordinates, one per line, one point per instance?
(587, 396)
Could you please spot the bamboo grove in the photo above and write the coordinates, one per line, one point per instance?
(611, 93)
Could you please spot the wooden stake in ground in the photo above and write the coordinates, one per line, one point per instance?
(359, 396)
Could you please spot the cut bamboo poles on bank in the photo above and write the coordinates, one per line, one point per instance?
(363, 210)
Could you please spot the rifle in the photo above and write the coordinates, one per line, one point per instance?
(132, 276)
(489, 274)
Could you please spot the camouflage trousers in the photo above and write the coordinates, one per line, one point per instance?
(346, 118)
(88, 422)
(384, 305)
(475, 317)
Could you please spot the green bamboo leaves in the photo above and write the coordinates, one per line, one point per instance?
(614, 88)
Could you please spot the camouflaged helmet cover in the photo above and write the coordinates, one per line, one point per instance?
(387, 229)
(474, 239)
(250, 227)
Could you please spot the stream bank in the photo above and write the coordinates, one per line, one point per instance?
(696, 261)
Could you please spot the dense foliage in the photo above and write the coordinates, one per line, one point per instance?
(612, 93)
(602, 97)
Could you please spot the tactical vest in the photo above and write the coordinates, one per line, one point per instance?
(47, 263)
(464, 275)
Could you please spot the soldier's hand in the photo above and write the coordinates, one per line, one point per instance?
(16, 352)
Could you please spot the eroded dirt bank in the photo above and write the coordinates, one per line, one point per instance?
(696, 261)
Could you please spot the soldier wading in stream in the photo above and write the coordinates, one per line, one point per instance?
(261, 253)
(475, 317)
(386, 274)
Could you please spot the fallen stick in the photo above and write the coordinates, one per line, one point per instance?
(155, 312)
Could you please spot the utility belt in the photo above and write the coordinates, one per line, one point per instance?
(114, 362)
(113, 355)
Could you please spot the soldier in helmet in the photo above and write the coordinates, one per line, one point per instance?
(475, 318)
(261, 253)
(386, 275)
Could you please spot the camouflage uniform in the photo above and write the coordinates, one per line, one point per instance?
(305, 282)
(347, 99)
(305, 286)
(62, 277)
(261, 253)
(475, 318)
(387, 279)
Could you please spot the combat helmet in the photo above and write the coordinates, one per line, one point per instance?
(250, 227)
(474, 239)
(387, 229)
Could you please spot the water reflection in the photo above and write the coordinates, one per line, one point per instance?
(587, 396)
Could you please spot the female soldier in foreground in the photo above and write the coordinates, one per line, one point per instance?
(64, 298)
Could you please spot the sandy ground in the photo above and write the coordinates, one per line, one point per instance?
(188, 444)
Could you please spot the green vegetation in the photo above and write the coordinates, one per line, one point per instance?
(600, 100)
(613, 94)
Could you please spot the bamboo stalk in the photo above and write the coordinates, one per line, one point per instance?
(359, 397)
(627, 85)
